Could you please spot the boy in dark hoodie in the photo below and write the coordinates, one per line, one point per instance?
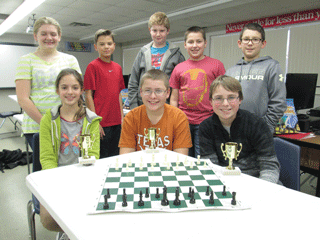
(261, 78)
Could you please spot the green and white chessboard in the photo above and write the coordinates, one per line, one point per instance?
(154, 171)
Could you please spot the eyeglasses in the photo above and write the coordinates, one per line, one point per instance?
(253, 40)
(220, 100)
(158, 92)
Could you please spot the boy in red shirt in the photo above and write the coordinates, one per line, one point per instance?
(103, 82)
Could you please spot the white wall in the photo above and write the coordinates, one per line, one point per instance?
(84, 59)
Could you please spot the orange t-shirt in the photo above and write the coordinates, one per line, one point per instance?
(174, 129)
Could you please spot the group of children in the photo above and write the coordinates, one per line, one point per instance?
(192, 104)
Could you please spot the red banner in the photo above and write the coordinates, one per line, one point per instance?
(281, 20)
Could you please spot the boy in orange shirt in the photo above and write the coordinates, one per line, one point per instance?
(174, 131)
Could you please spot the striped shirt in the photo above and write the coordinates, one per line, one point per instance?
(42, 75)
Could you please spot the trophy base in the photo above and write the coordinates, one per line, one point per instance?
(87, 161)
(152, 150)
(235, 171)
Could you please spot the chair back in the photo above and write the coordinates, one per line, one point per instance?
(288, 155)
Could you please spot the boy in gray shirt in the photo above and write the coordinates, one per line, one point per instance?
(261, 78)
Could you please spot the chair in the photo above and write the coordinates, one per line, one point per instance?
(33, 206)
(289, 157)
(9, 115)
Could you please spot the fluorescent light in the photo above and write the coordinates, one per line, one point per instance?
(23, 10)
(170, 15)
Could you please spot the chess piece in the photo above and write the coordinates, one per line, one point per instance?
(147, 193)
(211, 199)
(186, 161)
(233, 201)
(207, 192)
(117, 164)
(189, 194)
(205, 164)
(106, 204)
(108, 193)
(168, 166)
(124, 200)
(231, 151)
(224, 193)
(164, 201)
(192, 199)
(177, 201)
(141, 202)
(157, 193)
(191, 164)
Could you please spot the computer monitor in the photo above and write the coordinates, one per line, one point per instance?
(302, 88)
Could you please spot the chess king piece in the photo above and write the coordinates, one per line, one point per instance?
(152, 135)
(231, 150)
(85, 144)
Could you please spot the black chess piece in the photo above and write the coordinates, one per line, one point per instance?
(189, 194)
(108, 193)
(106, 204)
(233, 201)
(147, 193)
(192, 199)
(208, 191)
(124, 200)
(177, 201)
(157, 193)
(211, 200)
(141, 202)
(224, 193)
(164, 201)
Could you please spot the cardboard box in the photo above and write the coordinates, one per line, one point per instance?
(310, 158)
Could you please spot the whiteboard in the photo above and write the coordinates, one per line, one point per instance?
(9, 58)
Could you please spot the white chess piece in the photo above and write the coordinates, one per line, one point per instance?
(205, 164)
(141, 164)
(186, 161)
(168, 165)
(198, 161)
(177, 163)
(117, 164)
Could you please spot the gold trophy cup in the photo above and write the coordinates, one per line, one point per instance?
(231, 151)
(152, 135)
(85, 144)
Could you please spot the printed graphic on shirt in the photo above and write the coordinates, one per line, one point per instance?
(156, 60)
(195, 84)
(67, 145)
(143, 142)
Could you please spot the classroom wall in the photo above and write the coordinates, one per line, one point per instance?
(84, 59)
(304, 51)
(295, 47)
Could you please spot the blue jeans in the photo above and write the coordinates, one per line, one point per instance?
(194, 151)
(29, 137)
